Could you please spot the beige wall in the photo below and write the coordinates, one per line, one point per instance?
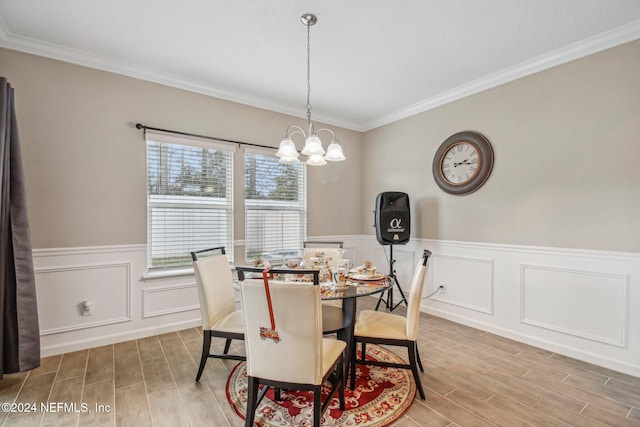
(566, 141)
(567, 160)
(85, 161)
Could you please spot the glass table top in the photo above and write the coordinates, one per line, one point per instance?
(329, 290)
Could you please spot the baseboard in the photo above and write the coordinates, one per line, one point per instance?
(118, 338)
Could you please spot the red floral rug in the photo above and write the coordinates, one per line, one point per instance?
(382, 395)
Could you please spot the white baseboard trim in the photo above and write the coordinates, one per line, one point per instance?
(118, 337)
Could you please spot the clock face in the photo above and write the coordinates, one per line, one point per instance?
(463, 163)
(460, 163)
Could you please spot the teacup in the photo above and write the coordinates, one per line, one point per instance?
(340, 275)
(371, 271)
(292, 263)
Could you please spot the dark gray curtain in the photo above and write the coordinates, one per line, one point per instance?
(18, 309)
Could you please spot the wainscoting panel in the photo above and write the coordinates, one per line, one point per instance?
(468, 282)
(124, 305)
(62, 291)
(600, 313)
(583, 304)
(161, 300)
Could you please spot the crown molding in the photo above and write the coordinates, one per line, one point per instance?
(606, 40)
(4, 32)
(603, 41)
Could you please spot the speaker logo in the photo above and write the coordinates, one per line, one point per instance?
(395, 226)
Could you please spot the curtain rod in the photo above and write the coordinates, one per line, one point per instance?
(213, 138)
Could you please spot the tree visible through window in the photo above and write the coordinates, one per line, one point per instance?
(275, 207)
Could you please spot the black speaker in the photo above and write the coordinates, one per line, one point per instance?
(392, 218)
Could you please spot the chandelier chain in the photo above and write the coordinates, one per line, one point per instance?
(308, 106)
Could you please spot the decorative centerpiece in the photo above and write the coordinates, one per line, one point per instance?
(368, 269)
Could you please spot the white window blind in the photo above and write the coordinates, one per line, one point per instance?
(275, 206)
(189, 198)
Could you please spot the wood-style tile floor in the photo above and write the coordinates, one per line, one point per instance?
(471, 378)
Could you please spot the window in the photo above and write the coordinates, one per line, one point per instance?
(275, 206)
(189, 198)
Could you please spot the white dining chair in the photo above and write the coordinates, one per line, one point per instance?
(331, 250)
(220, 316)
(285, 347)
(379, 327)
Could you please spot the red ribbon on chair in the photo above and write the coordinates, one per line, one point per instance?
(265, 332)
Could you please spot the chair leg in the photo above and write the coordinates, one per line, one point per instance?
(353, 365)
(227, 344)
(206, 347)
(412, 350)
(277, 395)
(317, 406)
(252, 397)
(363, 355)
(418, 356)
(341, 385)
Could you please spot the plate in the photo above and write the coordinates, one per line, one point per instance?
(356, 276)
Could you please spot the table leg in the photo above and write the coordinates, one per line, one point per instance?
(347, 332)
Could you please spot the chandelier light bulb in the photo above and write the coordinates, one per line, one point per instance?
(334, 152)
(287, 149)
(289, 160)
(316, 160)
(313, 146)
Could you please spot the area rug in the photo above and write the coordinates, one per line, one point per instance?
(381, 396)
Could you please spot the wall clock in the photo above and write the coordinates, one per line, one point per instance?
(463, 163)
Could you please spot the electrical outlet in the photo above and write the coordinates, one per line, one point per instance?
(87, 308)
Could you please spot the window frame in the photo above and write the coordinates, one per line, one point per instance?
(168, 201)
(275, 205)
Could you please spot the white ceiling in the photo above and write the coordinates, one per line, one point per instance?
(372, 61)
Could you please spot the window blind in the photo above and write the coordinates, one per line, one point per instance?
(189, 198)
(275, 207)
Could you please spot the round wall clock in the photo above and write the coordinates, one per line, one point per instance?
(463, 163)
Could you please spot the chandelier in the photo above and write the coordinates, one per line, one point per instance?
(316, 156)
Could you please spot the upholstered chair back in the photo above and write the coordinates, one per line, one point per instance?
(215, 288)
(415, 295)
(295, 354)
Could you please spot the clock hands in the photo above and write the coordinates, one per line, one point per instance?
(464, 162)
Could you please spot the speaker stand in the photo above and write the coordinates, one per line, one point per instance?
(392, 277)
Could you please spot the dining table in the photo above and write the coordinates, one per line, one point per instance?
(336, 319)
